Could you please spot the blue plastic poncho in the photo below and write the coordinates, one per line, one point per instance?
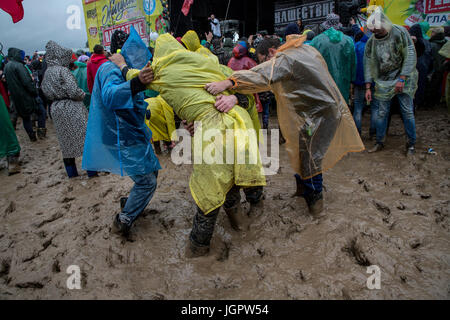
(117, 139)
(135, 52)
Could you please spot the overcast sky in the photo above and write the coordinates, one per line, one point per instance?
(44, 20)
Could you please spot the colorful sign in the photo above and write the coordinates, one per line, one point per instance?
(103, 17)
(409, 12)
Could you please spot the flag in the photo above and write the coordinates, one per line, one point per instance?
(14, 8)
(186, 6)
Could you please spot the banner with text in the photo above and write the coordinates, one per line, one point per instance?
(103, 17)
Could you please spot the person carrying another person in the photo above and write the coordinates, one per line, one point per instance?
(313, 116)
(390, 62)
(220, 168)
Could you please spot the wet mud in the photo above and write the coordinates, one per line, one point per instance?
(380, 209)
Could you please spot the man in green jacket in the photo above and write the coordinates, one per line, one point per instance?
(338, 50)
(23, 91)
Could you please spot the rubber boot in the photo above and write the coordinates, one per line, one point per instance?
(194, 251)
(256, 209)
(13, 165)
(123, 202)
(33, 137)
(41, 133)
(300, 187)
(237, 219)
(315, 203)
(120, 228)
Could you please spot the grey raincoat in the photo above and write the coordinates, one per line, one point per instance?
(69, 114)
(313, 116)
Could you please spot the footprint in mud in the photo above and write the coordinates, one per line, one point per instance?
(10, 208)
(355, 251)
(383, 208)
(224, 252)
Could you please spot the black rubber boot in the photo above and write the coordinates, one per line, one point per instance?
(13, 165)
(300, 187)
(41, 133)
(123, 202)
(236, 218)
(33, 137)
(194, 251)
(120, 227)
(315, 203)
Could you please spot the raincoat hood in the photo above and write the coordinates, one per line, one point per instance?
(16, 54)
(425, 26)
(438, 37)
(191, 41)
(57, 55)
(334, 35)
(165, 45)
(98, 58)
(239, 51)
(416, 31)
(228, 43)
(379, 20)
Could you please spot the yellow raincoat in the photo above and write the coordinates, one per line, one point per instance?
(180, 78)
(192, 43)
(162, 120)
(313, 116)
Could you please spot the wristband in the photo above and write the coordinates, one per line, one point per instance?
(122, 66)
(401, 80)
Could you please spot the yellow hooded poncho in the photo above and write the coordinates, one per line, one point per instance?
(180, 78)
(162, 121)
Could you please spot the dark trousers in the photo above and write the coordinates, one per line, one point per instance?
(71, 168)
(203, 226)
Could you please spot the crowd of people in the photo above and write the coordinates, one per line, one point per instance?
(112, 110)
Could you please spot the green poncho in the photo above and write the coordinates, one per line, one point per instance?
(389, 58)
(81, 75)
(9, 146)
(338, 50)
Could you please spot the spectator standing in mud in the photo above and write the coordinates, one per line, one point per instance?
(435, 92)
(96, 60)
(9, 145)
(359, 86)
(117, 139)
(424, 65)
(390, 62)
(23, 91)
(68, 111)
(338, 50)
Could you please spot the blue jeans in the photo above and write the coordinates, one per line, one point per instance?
(360, 102)
(140, 196)
(266, 113)
(407, 112)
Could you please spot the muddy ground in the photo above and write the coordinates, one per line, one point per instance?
(380, 209)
